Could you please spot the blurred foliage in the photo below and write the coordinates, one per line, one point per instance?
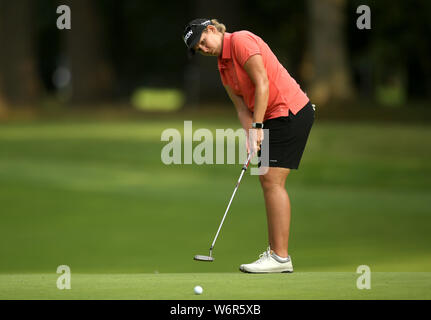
(142, 42)
(157, 99)
(398, 46)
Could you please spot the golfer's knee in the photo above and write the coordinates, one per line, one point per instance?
(269, 184)
(274, 179)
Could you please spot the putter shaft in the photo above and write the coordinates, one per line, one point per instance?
(244, 168)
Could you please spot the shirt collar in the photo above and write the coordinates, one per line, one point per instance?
(226, 53)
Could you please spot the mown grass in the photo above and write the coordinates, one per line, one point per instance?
(218, 286)
(97, 197)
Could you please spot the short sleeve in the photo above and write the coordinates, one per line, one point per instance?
(244, 45)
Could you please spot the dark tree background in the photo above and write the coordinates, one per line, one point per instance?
(115, 47)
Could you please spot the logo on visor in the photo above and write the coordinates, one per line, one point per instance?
(187, 36)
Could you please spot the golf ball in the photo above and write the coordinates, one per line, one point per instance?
(198, 290)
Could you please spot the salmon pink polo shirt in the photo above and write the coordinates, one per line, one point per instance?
(284, 92)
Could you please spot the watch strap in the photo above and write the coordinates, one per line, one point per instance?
(257, 125)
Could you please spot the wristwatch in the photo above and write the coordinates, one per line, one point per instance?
(257, 125)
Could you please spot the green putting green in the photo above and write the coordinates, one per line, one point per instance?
(96, 196)
(219, 286)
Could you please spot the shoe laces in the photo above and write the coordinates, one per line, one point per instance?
(264, 256)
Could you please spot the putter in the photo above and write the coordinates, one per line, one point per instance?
(210, 258)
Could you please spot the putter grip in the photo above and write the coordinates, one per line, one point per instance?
(247, 163)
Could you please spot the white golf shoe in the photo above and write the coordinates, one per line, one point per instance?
(268, 262)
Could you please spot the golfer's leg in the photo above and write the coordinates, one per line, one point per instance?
(277, 209)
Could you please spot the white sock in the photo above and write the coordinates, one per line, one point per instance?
(280, 259)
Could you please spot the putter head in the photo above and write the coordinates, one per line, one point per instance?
(203, 258)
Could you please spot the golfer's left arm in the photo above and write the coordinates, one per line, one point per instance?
(257, 73)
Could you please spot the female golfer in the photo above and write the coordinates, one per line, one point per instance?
(265, 96)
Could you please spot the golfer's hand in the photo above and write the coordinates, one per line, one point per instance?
(254, 140)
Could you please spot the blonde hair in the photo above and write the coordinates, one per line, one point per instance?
(219, 26)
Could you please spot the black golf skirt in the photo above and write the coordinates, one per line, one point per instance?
(287, 138)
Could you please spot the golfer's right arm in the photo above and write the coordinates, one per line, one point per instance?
(244, 115)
